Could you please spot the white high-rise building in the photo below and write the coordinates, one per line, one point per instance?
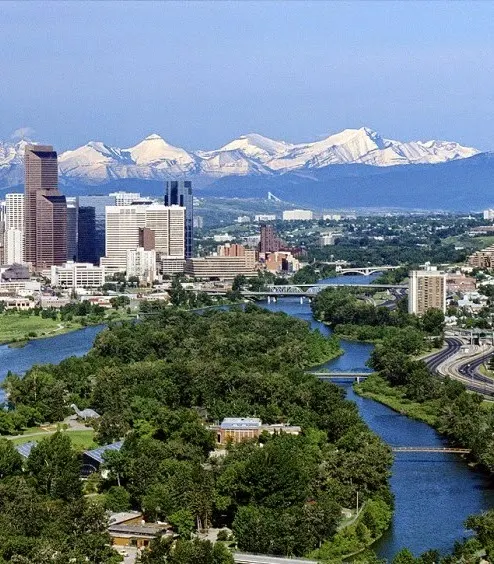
(141, 263)
(489, 214)
(14, 229)
(123, 225)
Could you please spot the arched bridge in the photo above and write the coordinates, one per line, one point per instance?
(364, 270)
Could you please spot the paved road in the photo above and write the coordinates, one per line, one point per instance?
(242, 558)
(453, 345)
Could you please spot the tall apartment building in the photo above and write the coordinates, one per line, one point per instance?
(124, 225)
(14, 229)
(45, 209)
(269, 242)
(489, 214)
(426, 290)
(179, 193)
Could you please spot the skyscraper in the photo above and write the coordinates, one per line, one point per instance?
(14, 229)
(179, 193)
(45, 209)
(124, 232)
(72, 228)
(94, 247)
(86, 236)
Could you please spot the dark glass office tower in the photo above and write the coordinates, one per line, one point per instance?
(179, 193)
(72, 227)
(99, 204)
(86, 249)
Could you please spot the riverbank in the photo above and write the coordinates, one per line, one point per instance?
(360, 534)
(17, 329)
(376, 388)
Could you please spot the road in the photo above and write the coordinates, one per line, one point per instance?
(462, 366)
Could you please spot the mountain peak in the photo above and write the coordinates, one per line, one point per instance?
(153, 137)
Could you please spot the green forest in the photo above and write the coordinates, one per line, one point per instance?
(157, 384)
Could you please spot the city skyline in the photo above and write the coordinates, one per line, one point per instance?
(386, 65)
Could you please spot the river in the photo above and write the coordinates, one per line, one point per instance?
(434, 493)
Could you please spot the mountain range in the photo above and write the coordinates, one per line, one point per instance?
(356, 167)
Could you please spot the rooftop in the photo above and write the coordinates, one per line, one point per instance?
(240, 423)
(97, 453)
(25, 448)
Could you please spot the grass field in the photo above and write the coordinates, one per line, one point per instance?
(16, 327)
(82, 440)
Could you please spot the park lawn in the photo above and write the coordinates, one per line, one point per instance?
(17, 327)
(82, 440)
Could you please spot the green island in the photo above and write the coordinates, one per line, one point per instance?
(159, 385)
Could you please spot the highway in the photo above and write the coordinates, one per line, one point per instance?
(453, 346)
(462, 366)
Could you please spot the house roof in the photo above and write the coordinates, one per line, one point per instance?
(97, 453)
(25, 448)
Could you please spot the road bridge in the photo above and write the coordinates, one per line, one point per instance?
(364, 270)
(310, 290)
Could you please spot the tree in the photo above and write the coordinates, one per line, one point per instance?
(483, 526)
(10, 459)
(183, 522)
(56, 468)
(117, 499)
(433, 321)
(404, 557)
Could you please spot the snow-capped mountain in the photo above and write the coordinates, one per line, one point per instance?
(252, 154)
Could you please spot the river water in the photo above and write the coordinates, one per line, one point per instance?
(434, 493)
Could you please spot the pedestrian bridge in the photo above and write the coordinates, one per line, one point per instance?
(452, 450)
(340, 376)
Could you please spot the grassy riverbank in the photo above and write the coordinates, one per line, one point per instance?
(377, 388)
(15, 327)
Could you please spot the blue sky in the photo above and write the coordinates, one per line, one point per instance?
(203, 73)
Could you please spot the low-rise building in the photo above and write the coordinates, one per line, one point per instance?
(238, 429)
(280, 261)
(129, 529)
(483, 258)
(222, 267)
(297, 215)
(265, 217)
(77, 275)
(459, 282)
